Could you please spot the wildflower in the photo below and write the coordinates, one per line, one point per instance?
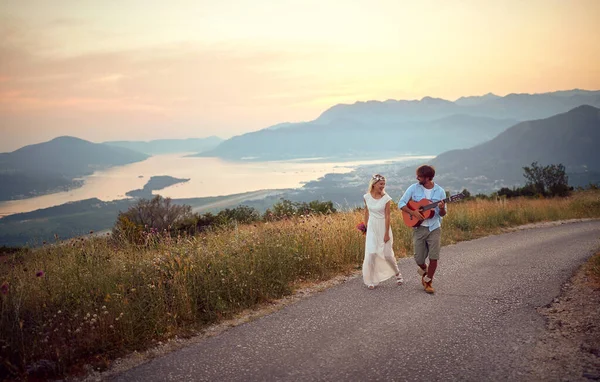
(4, 287)
(362, 227)
(39, 274)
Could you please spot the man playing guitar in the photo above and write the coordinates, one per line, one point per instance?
(426, 235)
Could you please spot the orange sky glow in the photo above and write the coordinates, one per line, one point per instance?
(139, 70)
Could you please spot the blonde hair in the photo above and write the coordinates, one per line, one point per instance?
(374, 179)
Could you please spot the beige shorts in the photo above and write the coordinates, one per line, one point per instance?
(426, 244)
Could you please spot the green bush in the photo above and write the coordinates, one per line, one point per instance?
(286, 209)
(157, 215)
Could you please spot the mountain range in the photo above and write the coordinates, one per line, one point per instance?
(428, 126)
(167, 146)
(570, 138)
(363, 130)
(53, 166)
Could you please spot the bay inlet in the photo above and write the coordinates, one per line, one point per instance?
(207, 177)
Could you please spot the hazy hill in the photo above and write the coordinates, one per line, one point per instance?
(345, 138)
(570, 138)
(428, 126)
(475, 100)
(166, 146)
(512, 106)
(53, 165)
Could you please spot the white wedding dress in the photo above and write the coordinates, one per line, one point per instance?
(380, 262)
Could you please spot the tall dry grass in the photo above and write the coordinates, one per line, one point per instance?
(90, 300)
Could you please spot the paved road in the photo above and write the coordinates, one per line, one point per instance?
(480, 325)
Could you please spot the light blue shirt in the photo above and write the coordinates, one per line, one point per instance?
(416, 192)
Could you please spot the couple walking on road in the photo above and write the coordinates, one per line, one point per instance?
(380, 263)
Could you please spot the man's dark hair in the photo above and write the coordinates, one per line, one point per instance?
(426, 171)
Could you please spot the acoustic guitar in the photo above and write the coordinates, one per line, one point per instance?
(427, 209)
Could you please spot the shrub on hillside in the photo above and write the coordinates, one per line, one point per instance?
(550, 180)
(528, 190)
(155, 215)
(287, 208)
(202, 222)
(240, 214)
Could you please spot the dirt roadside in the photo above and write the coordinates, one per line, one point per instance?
(569, 350)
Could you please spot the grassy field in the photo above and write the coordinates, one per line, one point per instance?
(91, 300)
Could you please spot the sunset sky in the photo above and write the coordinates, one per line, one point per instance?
(148, 69)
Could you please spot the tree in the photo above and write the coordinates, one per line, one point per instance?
(535, 177)
(241, 214)
(157, 214)
(550, 180)
(286, 208)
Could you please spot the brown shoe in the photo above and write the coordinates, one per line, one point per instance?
(428, 288)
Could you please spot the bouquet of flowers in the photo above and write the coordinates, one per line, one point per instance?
(362, 227)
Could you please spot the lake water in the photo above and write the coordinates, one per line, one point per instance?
(208, 177)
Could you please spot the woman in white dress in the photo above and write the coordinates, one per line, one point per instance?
(380, 262)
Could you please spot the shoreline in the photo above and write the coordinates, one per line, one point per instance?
(228, 176)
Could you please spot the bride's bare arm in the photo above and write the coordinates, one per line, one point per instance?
(366, 214)
(386, 237)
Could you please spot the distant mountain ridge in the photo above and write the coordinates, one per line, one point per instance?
(68, 156)
(570, 138)
(167, 146)
(513, 106)
(402, 127)
(355, 139)
(52, 166)
(475, 100)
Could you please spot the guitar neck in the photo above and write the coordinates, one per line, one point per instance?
(433, 205)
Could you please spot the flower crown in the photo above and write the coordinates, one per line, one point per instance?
(378, 177)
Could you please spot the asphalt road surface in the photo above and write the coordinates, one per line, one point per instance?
(480, 325)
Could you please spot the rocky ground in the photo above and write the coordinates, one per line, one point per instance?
(569, 350)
